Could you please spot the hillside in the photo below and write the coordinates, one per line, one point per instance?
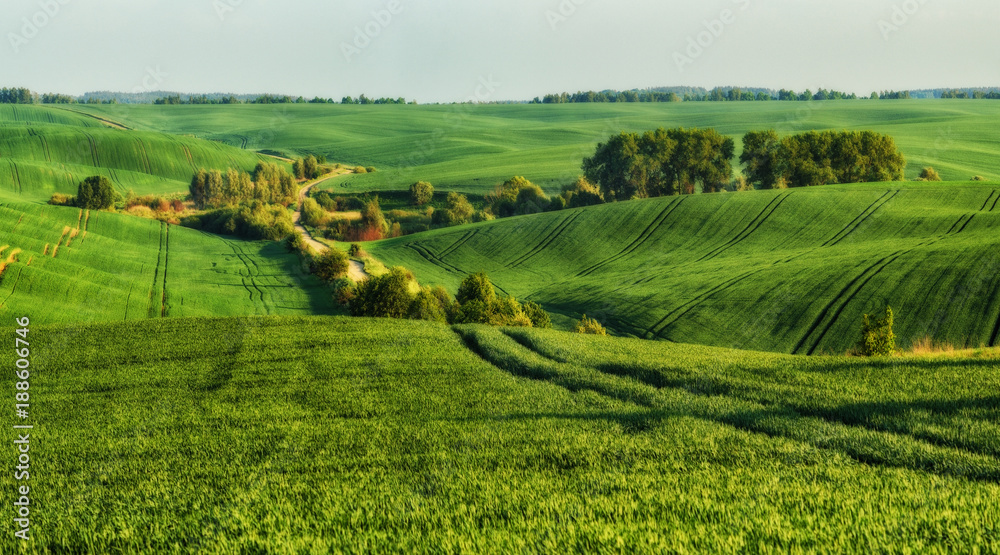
(335, 434)
(471, 148)
(790, 271)
(76, 265)
(44, 150)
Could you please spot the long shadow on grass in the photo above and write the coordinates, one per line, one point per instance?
(896, 417)
(876, 447)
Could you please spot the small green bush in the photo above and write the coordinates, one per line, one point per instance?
(384, 296)
(421, 193)
(978, 178)
(589, 326)
(330, 265)
(355, 250)
(360, 169)
(539, 318)
(476, 287)
(929, 174)
(877, 337)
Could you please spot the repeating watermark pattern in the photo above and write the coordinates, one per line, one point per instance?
(224, 7)
(33, 25)
(366, 34)
(698, 44)
(901, 15)
(563, 12)
(484, 90)
(22, 471)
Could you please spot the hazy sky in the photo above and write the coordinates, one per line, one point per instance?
(446, 50)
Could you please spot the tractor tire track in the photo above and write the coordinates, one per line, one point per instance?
(151, 311)
(638, 241)
(988, 199)
(995, 203)
(750, 229)
(166, 265)
(847, 294)
(871, 210)
(241, 256)
(556, 231)
(457, 244)
(690, 305)
(428, 256)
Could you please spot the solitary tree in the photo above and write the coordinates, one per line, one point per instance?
(95, 193)
(421, 193)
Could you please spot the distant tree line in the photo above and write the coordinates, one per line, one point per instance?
(270, 184)
(975, 94)
(365, 100)
(16, 96)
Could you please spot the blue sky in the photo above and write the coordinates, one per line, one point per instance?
(448, 50)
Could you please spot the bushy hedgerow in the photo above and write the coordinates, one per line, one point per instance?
(395, 295)
(257, 220)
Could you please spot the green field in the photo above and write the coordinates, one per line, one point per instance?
(789, 271)
(82, 266)
(45, 150)
(291, 435)
(472, 148)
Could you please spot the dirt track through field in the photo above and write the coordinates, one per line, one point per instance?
(356, 270)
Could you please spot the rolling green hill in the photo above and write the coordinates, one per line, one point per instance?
(72, 265)
(472, 148)
(44, 150)
(789, 271)
(351, 435)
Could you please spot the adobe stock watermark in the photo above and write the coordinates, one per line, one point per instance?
(484, 91)
(224, 7)
(364, 36)
(901, 15)
(698, 44)
(33, 25)
(561, 14)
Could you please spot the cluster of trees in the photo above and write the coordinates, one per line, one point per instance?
(661, 162)
(16, 96)
(515, 197)
(819, 158)
(255, 220)
(365, 100)
(396, 295)
(308, 167)
(270, 184)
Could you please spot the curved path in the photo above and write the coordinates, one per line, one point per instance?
(356, 270)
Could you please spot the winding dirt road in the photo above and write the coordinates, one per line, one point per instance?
(356, 270)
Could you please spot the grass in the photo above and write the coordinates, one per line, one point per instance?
(789, 271)
(471, 148)
(47, 150)
(291, 435)
(83, 266)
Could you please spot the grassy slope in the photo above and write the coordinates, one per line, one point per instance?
(788, 271)
(44, 150)
(114, 267)
(471, 148)
(365, 435)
